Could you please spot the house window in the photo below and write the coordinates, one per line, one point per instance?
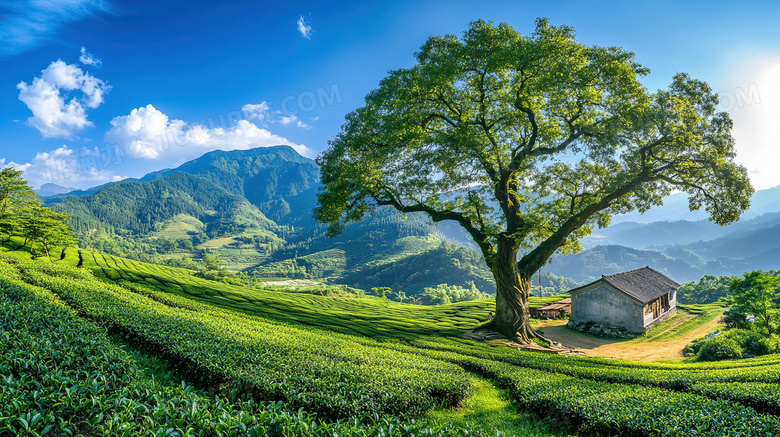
(665, 302)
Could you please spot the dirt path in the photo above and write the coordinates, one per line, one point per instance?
(653, 348)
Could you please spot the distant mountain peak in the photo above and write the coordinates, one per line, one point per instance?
(279, 181)
(50, 189)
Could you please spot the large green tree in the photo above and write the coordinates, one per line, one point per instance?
(17, 199)
(528, 142)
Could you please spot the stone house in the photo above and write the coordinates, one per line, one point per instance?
(624, 304)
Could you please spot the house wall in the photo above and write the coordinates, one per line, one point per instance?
(662, 318)
(603, 305)
(649, 321)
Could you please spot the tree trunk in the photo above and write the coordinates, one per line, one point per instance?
(512, 293)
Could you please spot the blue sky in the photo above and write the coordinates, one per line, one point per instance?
(94, 91)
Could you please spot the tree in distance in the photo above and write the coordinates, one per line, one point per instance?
(528, 142)
(756, 293)
(46, 227)
(22, 214)
(383, 292)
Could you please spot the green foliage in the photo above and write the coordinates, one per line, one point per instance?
(708, 289)
(734, 317)
(443, 294)
(719, 348)
(753, 342)
(62, 376)
(382, 292)
(44, 226)
(594, 407)
(749, 341)
(16, 199)
(533, 98)
(761, 396)
(755, 294)
(22, 214)
(335, 375)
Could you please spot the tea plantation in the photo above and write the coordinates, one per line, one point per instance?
(83, 339)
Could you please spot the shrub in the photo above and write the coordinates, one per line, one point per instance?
(719, 348)
(752, 342)
(734, 318)
(693, 347)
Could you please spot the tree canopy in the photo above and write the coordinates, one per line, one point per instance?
(16, 199)
(21, 213)
(528, 142)
(757, 293)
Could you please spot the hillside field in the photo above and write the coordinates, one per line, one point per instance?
(99, 345)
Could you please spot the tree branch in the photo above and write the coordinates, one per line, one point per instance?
(478, 235)
(535, 259)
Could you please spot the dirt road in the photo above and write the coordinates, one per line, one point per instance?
(661, 345)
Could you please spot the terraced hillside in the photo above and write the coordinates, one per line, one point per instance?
(82, 336)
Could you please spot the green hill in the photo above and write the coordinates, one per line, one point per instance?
(252, 210)
(123, 347)
(279, 181)
(174, 215)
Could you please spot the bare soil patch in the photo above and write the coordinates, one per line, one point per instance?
(660, 344)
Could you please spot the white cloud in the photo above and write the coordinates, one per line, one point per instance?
(256, 111)
(262, 113)
(285, 120)
(304, 28)
(25, 24)
(15, 166)
(148, 133)
(88, 59)
(55, 112)
(64, 166)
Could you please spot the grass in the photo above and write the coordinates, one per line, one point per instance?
(319, 352)
(370, 316)
(181, 226)
(671, 329)
(538, 302)
(490, 410)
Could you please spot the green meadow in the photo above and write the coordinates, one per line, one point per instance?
(94, 344)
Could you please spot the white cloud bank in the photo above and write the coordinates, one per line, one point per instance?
(55, 112)
(148, 133)
(64, 166)
(144, 140)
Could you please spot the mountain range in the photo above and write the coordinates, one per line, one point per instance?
(683, 249)
(252, 209)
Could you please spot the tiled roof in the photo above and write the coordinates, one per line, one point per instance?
(645, 284)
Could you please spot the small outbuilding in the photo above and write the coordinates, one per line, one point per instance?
(624, 304)
(556, 310)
